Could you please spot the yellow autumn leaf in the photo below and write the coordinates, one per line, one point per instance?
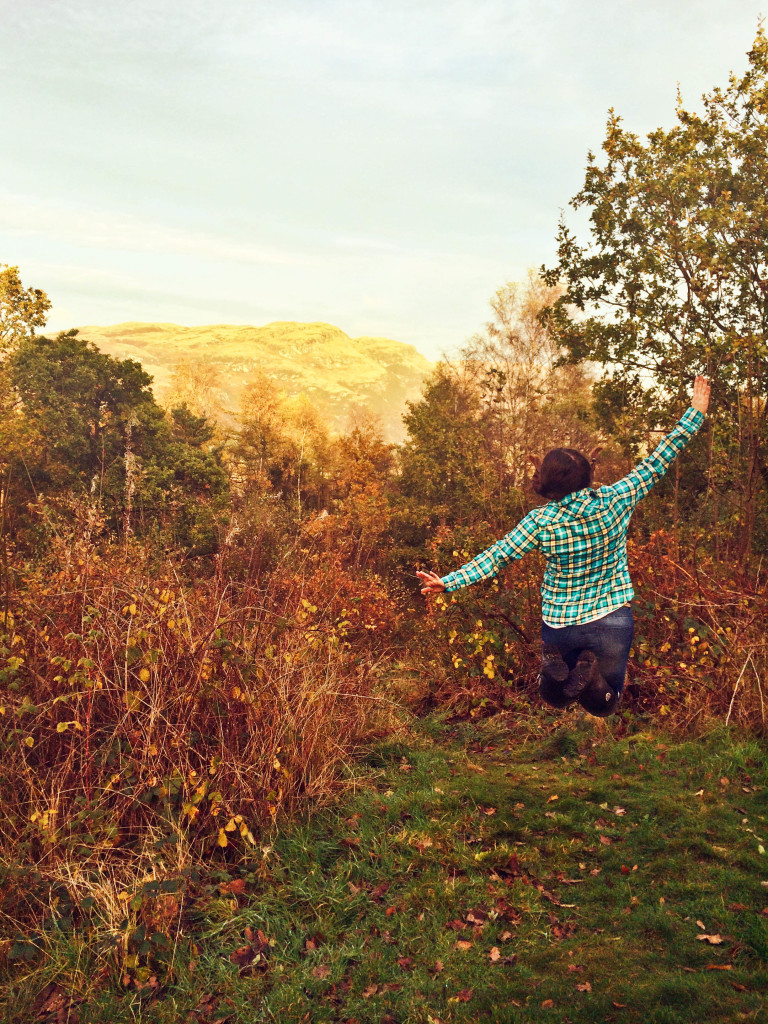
(222, 840)
(144, 675)
(230, 826)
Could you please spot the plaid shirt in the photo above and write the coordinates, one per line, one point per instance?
(584, 539)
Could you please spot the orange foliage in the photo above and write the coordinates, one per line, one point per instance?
(141, 704)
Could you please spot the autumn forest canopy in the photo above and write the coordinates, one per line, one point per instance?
(202, 615)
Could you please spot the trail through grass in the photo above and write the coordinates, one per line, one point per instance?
(474, 877)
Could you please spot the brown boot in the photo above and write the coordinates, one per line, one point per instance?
(599, 699)
(583, 675)
(554, 673)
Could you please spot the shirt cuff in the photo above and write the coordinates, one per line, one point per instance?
(692, 418)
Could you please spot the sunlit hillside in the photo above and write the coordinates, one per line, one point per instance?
(319, 360)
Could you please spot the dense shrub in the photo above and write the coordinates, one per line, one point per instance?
(700, 649)
(150, 720)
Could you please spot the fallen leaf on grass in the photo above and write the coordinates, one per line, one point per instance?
(437, 968)
(620, 1006)
(321, 971)
(494, 955)
(713, 940)
(563, 931)
(719, 967)
(456, 925)
(584, 987)
(405, 962)
(254, 954)
(378, 892)
(547, 1004)
(476, 917)
(463, 945)
(553, 899)
(390, 911)
(738, 987)
(463, 996)
(54, 1004)
(553, 797)
(605, 840)
(371, 990)
(236, 887)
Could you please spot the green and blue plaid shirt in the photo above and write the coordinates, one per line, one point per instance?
(584, 539)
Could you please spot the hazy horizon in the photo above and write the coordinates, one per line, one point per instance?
(381, 168)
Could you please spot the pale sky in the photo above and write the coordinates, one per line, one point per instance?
(380, 165)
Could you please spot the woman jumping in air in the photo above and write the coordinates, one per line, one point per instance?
(587, 625)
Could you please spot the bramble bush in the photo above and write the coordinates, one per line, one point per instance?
(151, 720)
(700, 650)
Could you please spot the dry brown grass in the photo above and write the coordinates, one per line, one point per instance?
(152, 720)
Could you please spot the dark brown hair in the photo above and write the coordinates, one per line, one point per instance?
(562, 471)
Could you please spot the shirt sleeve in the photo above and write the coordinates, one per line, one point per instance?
(524, 537)
(647, 473)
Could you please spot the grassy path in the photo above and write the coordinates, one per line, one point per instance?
(575, 879)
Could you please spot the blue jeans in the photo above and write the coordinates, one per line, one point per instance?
(610, 638)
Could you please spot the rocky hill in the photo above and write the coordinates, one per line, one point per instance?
(318, 360)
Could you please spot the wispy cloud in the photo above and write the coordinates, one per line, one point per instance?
(89, 228)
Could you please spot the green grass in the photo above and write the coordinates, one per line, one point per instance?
(574, 870)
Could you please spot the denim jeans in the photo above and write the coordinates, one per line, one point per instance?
(610, 638)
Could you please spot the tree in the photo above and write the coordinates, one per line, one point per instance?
(365, 471)
(674, 277)
(22, 310)
(534, 401)
(80, 402)
(94, 431)
(196, 384)
(444, 469)
(283, 445)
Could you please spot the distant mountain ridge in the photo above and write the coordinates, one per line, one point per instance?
(315, 359)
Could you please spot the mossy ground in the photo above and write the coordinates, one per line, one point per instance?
(477, 877)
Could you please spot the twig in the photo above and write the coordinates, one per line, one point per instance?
(733, 695)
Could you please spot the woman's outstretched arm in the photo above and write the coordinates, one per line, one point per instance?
(647, 473)
(488, 563)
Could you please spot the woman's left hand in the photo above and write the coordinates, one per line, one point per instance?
(432, 583)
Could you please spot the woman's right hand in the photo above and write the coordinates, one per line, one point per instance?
(700, 400)
(432, 583)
